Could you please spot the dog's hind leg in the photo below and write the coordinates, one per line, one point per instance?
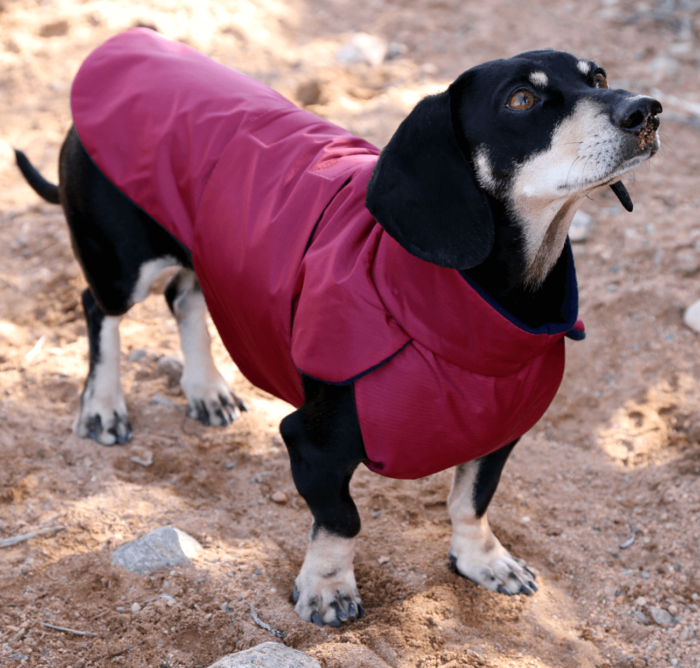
(325, 446)
(102, 415)
(475, 552)
(209, 398)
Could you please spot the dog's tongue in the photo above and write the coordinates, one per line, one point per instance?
(619, 189)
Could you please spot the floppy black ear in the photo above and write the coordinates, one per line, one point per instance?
(424, 193)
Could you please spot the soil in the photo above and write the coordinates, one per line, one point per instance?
(601, 497)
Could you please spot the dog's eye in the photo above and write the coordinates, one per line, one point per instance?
(599, 80)
(523, 99)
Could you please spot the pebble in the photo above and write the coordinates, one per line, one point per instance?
(137, 354)
(135, 607)
(159, 400)
(640, 617)
(279, 497)
(164, 547)
(270, 655)
(660, 616)
(687, 633)
(383, 560)
(309, 92)
(363, 48)
(170, 366)
(691, 317)
(627, 543)
(581, 226)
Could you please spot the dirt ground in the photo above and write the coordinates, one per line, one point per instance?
(602, 497)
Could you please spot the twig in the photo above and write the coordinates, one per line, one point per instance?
(65, 630)
(7, 542)
(267, 627)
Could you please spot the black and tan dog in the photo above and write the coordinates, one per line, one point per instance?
(483, 178)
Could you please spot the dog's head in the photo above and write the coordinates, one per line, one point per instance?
(537, 133)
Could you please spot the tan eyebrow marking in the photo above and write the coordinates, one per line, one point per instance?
(539, 79)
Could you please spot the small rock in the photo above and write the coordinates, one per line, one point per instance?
(687, 633)
(54, 29)
(135, 607)
(279, 497)
(628, 543)
(691, 317)
(660, 616)
(170, 366)
(363, 48)
(267, 655)
(383, 560)
(581, 226)
(309, 92)
(137, 354)
(230, 465)
(164, 547)
(158, 400)
(640, 617)
(395, 50)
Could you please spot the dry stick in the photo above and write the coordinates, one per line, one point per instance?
(7, 542)
(65, 630)
(267, 627)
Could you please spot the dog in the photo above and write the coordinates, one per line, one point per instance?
(411, 303)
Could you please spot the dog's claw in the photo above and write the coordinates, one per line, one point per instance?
(295, 594)
(316, 619)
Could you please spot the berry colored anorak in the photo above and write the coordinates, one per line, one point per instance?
(297, 275)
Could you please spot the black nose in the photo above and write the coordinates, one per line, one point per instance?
(636, 114)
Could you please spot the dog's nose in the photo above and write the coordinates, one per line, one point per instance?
(638, 114)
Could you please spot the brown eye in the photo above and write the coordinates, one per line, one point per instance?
(523, 99)
(599, 81)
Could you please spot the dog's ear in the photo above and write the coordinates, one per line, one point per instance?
(424, 193)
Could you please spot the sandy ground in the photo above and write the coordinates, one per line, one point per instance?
(616, 458)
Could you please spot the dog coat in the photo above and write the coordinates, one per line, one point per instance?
(297, 275)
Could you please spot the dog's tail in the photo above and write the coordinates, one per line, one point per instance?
(41, 186)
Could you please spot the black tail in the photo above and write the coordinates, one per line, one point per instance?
(42, 187)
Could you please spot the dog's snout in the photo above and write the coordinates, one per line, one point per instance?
(639, 114)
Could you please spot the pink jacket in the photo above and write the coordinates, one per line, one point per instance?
(296, 273)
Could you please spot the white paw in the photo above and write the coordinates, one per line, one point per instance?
(489, 564)
(210, 400)
(103, 420)
(325, 591)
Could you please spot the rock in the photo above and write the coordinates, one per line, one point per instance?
(7, 156)
(135, 607)
(688, 633)
(581, 226)
(640, 617)
(395, 49)
(158, 400)
(691, 317)
(54, 29)
(164, 547)
(660, 616)
(279, 497)
(267, 655)
(309, 92)
(363, 48)
(137, 354)
(170, 366)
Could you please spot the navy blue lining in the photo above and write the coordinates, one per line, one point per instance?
(576, 335)
(570, 303)
(359, 375)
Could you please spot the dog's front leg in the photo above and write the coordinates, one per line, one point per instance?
(325, 446)
(475, 552)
